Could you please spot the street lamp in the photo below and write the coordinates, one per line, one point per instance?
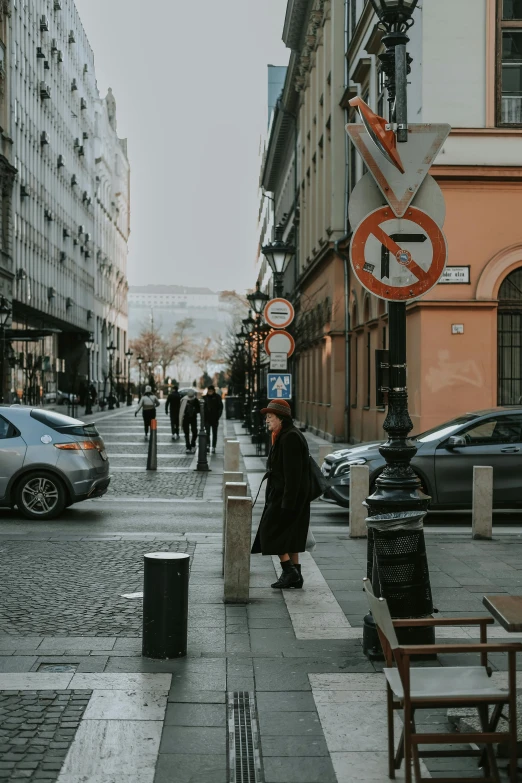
(258, 300)
(5, 313)
(397, 563)
(278, 255)
(111, 348)
(139, 360)
(149, 365)
(128, 354)
(89, 342)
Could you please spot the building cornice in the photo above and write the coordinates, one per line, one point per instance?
(297, 13)
(477, 173)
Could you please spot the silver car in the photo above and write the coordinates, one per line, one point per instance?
(49, 461)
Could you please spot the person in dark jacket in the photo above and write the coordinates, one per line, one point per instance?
(213, 413)
(172, 405)
(286, 516)
(188, 416)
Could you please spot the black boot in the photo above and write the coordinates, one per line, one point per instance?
(289, 576)
(301, 580)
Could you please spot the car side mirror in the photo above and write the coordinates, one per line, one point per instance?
(455, 441)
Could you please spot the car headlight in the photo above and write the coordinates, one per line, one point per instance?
(344, 467)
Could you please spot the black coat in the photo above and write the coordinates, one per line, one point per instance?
(173, 402)
(286, 516)
(213, 408)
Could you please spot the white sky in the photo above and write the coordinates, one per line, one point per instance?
(190, 82)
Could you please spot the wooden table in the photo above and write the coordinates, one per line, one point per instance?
(507, 609)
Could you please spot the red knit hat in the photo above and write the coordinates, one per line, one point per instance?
(280, 407)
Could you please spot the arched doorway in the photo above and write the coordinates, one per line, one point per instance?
(510, 339)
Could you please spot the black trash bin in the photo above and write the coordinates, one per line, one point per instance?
(233, 408)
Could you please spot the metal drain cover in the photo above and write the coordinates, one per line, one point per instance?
(243, 739)
(57, 667)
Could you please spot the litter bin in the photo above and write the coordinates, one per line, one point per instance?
(233, 408)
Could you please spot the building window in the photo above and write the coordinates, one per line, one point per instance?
(509, 62)
(510, 340)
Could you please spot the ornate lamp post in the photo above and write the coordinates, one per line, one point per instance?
(128, 354)
(111, 349)
(248, 324)
(397, 562)
(149, 365)
(139, 360)
(5, 314)
(258, 300)
(278, 255)
(89, 342)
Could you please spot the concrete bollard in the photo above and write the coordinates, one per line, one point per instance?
(237, 547)
(231, 455)
(359, 491)
(152, 455)
(165, 604)
(323, 451)
(482, 511)
(231, 489)
(232, 475)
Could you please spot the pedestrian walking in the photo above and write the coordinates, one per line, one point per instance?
(148, 404)
(172, 406)
(213, 412)
(283, 528)
(188, 417)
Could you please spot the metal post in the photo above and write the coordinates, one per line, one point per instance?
(88, 402)
(129, 395)
(278, 284)
(152, 456)
(202, 441)
(111, 399)
(396, 510)
(165, 604)
(401, 100)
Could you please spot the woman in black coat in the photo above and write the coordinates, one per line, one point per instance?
(286, 516)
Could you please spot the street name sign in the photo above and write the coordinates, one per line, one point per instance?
(279, 313)
(456, 274)
(279, 386)
(398, 258)
(280, 342)
(416, 155)
(278, 361)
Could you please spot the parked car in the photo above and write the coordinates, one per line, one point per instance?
(59, 397)
(445, 458)
(49, 461)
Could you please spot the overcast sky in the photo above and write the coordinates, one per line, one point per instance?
(190, 82)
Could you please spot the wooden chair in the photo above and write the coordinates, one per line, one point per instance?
(411, 688)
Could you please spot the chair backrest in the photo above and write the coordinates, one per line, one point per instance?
(381, 614)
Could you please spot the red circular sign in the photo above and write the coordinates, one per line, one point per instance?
(279, 313)
(280, 342)
(380, 254)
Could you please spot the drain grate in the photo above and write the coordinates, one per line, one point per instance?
(243, 738)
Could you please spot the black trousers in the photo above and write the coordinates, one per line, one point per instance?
(214, 428)
(148, 415)
(188, 427)
(174, 423)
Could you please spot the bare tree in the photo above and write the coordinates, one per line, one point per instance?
(176, 346)
(205, 353)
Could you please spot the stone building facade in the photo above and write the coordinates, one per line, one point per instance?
(70, 207)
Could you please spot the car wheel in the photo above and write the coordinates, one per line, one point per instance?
(40, 495)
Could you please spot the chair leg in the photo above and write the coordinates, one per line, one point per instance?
(391, 737)
(495, 717)
(415, 751)
(513, 772)
(399, 756)
(489, 749)
(407, 743)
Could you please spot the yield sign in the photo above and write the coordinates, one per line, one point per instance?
(398, 258)
(417, 155)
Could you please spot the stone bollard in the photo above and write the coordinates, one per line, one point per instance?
(482, 512)
(359, 491)
(232, 475)
(323, 451)
(152, 455)
(237, 547)
(230, 489)
(231, 456)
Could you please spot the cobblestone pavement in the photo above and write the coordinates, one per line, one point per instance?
(74, 588)
(36, 730)
(153, 484)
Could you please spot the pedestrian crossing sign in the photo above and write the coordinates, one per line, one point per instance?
(279, 386)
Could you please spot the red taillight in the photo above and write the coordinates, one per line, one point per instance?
(84, 445)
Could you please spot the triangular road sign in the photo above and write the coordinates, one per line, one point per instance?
(417, 155)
